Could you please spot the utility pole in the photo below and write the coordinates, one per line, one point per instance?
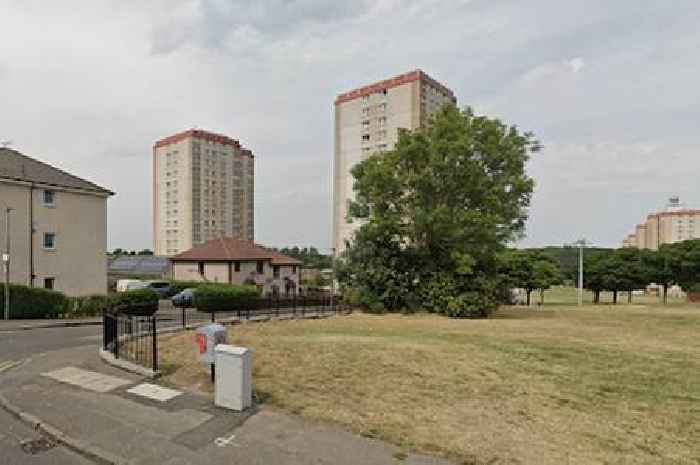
(581, 244)
(332, 277)
(6, 261)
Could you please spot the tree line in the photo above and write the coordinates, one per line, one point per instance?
(608, 270)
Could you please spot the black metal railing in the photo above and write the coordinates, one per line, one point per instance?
(135, 338)
(299, 306)
(131, 338)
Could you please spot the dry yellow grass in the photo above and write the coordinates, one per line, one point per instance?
(555, 386)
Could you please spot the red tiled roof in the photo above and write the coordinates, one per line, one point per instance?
(390, 83)
(228, 248)
(199, 134)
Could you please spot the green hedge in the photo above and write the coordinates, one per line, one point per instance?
(85, 306)
(178, 286)
(217, 297)
(31, 302)
(134, 302)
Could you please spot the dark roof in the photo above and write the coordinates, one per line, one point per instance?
(138, 264)
(227, 248)
(19, 167)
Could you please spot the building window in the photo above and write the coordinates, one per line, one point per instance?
(236, 266)
(365, 136)
(261, 267)
(276, 271)
(294, 269)
(49, 283)
(49, 198)
(201, 268)
(49, 240)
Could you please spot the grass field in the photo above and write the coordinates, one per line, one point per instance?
(559, 385)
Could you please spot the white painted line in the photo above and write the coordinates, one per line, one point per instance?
(90, 380)
(155, 392)
(223, 442)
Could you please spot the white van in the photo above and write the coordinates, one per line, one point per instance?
(124, 285)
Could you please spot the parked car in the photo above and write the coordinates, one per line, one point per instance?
(184, 299)
(129, 284)
(162, 288)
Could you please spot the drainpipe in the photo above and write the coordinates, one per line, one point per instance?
(31, 235)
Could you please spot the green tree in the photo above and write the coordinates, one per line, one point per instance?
(436, 211)
(660, 267)
(684, 259)
(530, 269)
(630, 270)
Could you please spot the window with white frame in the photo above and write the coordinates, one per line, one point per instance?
(49, 240)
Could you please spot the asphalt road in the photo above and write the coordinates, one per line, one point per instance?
(19, 444)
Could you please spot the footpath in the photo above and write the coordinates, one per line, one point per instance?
(111, 416)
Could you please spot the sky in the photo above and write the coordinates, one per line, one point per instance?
(610, 88)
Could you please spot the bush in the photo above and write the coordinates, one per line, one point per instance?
(137, 302)
(31, 302)
(90, 305)
(695, 288)
(217, 297)
(178, 286)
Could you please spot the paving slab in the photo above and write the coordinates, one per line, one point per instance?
(155, 392)
(86, 379)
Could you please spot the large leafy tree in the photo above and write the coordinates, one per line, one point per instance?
(436, 211)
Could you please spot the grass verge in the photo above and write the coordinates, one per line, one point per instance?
(559, 385)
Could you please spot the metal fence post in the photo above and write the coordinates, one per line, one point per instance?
(116, 336)
(184, 318)
(154, 336)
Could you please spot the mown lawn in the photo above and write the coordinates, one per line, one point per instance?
(560, 385)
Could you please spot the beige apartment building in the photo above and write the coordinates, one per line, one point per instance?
(58, 226)
(367, 120)
(203, 188)
(674, 224)
(236, 261)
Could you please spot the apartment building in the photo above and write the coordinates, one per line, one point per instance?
(367, 121)
(674, 224)
(203, 188)
(58, 226)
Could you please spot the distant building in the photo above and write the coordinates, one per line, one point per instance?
(136, 267)
(367, 121)
(203, 188)
(236, 261)
(58, 226)
(674, 224)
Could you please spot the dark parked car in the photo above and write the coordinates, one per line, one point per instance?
(162, 288)
(184, 299)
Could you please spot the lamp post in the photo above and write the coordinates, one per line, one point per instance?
(581, 243)
(6, 262)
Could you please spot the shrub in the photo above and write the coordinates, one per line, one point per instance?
(217, 297)
(137, 302)
(31, 302)
(695, 288)
(178, 286)
(90, 305)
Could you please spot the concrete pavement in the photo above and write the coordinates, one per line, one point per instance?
(116, 414)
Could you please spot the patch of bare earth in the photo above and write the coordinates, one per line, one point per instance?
(556, 386)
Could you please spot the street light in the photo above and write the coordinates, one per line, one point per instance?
(581, 243)
(6, 261)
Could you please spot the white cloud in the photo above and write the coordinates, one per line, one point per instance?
(90, 87)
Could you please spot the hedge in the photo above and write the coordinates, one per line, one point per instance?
(178, 286)
(134, 302)
(32, 302)
(90, 305)
(218, 298)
